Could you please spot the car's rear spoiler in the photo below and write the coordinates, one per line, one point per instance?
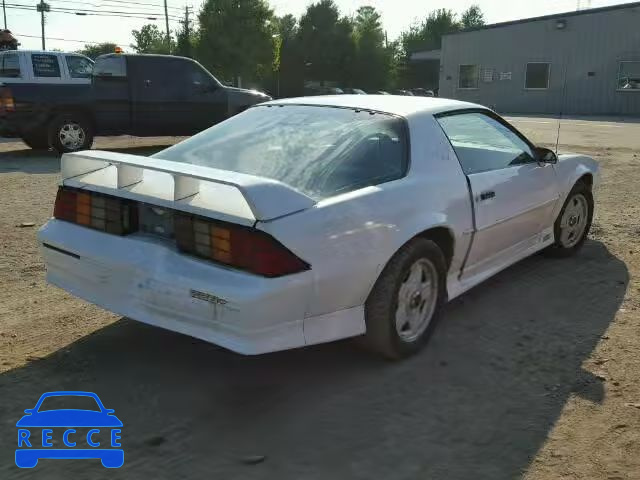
(202, 190)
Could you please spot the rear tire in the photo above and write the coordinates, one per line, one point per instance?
(572, 226)
(70, 132)
(404, 305)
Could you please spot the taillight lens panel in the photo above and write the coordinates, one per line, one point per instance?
(239, 247)
(94, 210)
(236, 246)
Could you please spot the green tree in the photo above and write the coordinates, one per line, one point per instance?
(288, 59)
(185, 43)
(236, 38)
(424, 36)
(95, 50)
(326, 42)
(374, 60)
(149, 39)
(472, 17)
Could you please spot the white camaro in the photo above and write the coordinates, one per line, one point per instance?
(308, 220)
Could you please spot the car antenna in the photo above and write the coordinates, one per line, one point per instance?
(562, 105)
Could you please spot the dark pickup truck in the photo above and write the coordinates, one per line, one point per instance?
(142, 95)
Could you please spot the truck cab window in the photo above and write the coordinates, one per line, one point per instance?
(45, 65)
(79, 67)
(196, 76)
(9, 65)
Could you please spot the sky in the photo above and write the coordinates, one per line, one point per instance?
(397, 15)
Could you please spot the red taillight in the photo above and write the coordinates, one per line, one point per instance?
(93, 210)
(243, 248)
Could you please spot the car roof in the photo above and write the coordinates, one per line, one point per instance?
(403, 106)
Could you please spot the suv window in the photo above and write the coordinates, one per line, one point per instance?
(482, 143)
(45, 65)
(9, 65)
(79, 67)
(321, 151)
(110, 66)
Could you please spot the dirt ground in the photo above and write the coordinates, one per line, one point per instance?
(534, 374)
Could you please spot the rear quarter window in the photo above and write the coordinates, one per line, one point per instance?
(10, 65)
(45, 65)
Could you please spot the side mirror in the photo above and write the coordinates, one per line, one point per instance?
(29, 411)
(109, 411)
(544, 155)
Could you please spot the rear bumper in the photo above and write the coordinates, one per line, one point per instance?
(149, 281)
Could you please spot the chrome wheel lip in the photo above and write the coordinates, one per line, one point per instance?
(416, 300)
(71, 135)
(574, 221)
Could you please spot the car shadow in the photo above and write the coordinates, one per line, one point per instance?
(477, 403)
(47, 161)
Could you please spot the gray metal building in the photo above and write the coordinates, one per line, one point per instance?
(585, 62)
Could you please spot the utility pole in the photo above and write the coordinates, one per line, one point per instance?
(166, 19)
(4, 12)
(187, 31)
(43, 7)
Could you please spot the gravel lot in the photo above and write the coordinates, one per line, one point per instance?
(534, 374)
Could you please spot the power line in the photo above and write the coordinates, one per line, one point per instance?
(126, 2)
(118, 4)
(99, 13)
(67, 39)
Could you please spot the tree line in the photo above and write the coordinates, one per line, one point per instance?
(244, 39)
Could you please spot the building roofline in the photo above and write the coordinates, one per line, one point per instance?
(550, 17)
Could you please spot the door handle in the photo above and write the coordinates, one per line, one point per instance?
(147, 83)
(486, 195)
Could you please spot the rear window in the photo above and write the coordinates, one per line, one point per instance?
(66, 402)
(320, 151)
(9, 65)
(45, 65)
(111, 66)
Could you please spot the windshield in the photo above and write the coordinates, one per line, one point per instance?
(320, 151)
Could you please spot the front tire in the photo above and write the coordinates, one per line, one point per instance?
(70, 132)
(573, 223)
(404, 305)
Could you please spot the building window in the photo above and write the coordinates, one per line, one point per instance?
(537, 76)
(629, 76)
(468, 76)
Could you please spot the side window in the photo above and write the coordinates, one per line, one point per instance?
(45, 65)
(537, 76)
(629, 76)
(196, 76)
(79, 67)
(482, 143)
(468, 77)
(9, 65)
(111, 66)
